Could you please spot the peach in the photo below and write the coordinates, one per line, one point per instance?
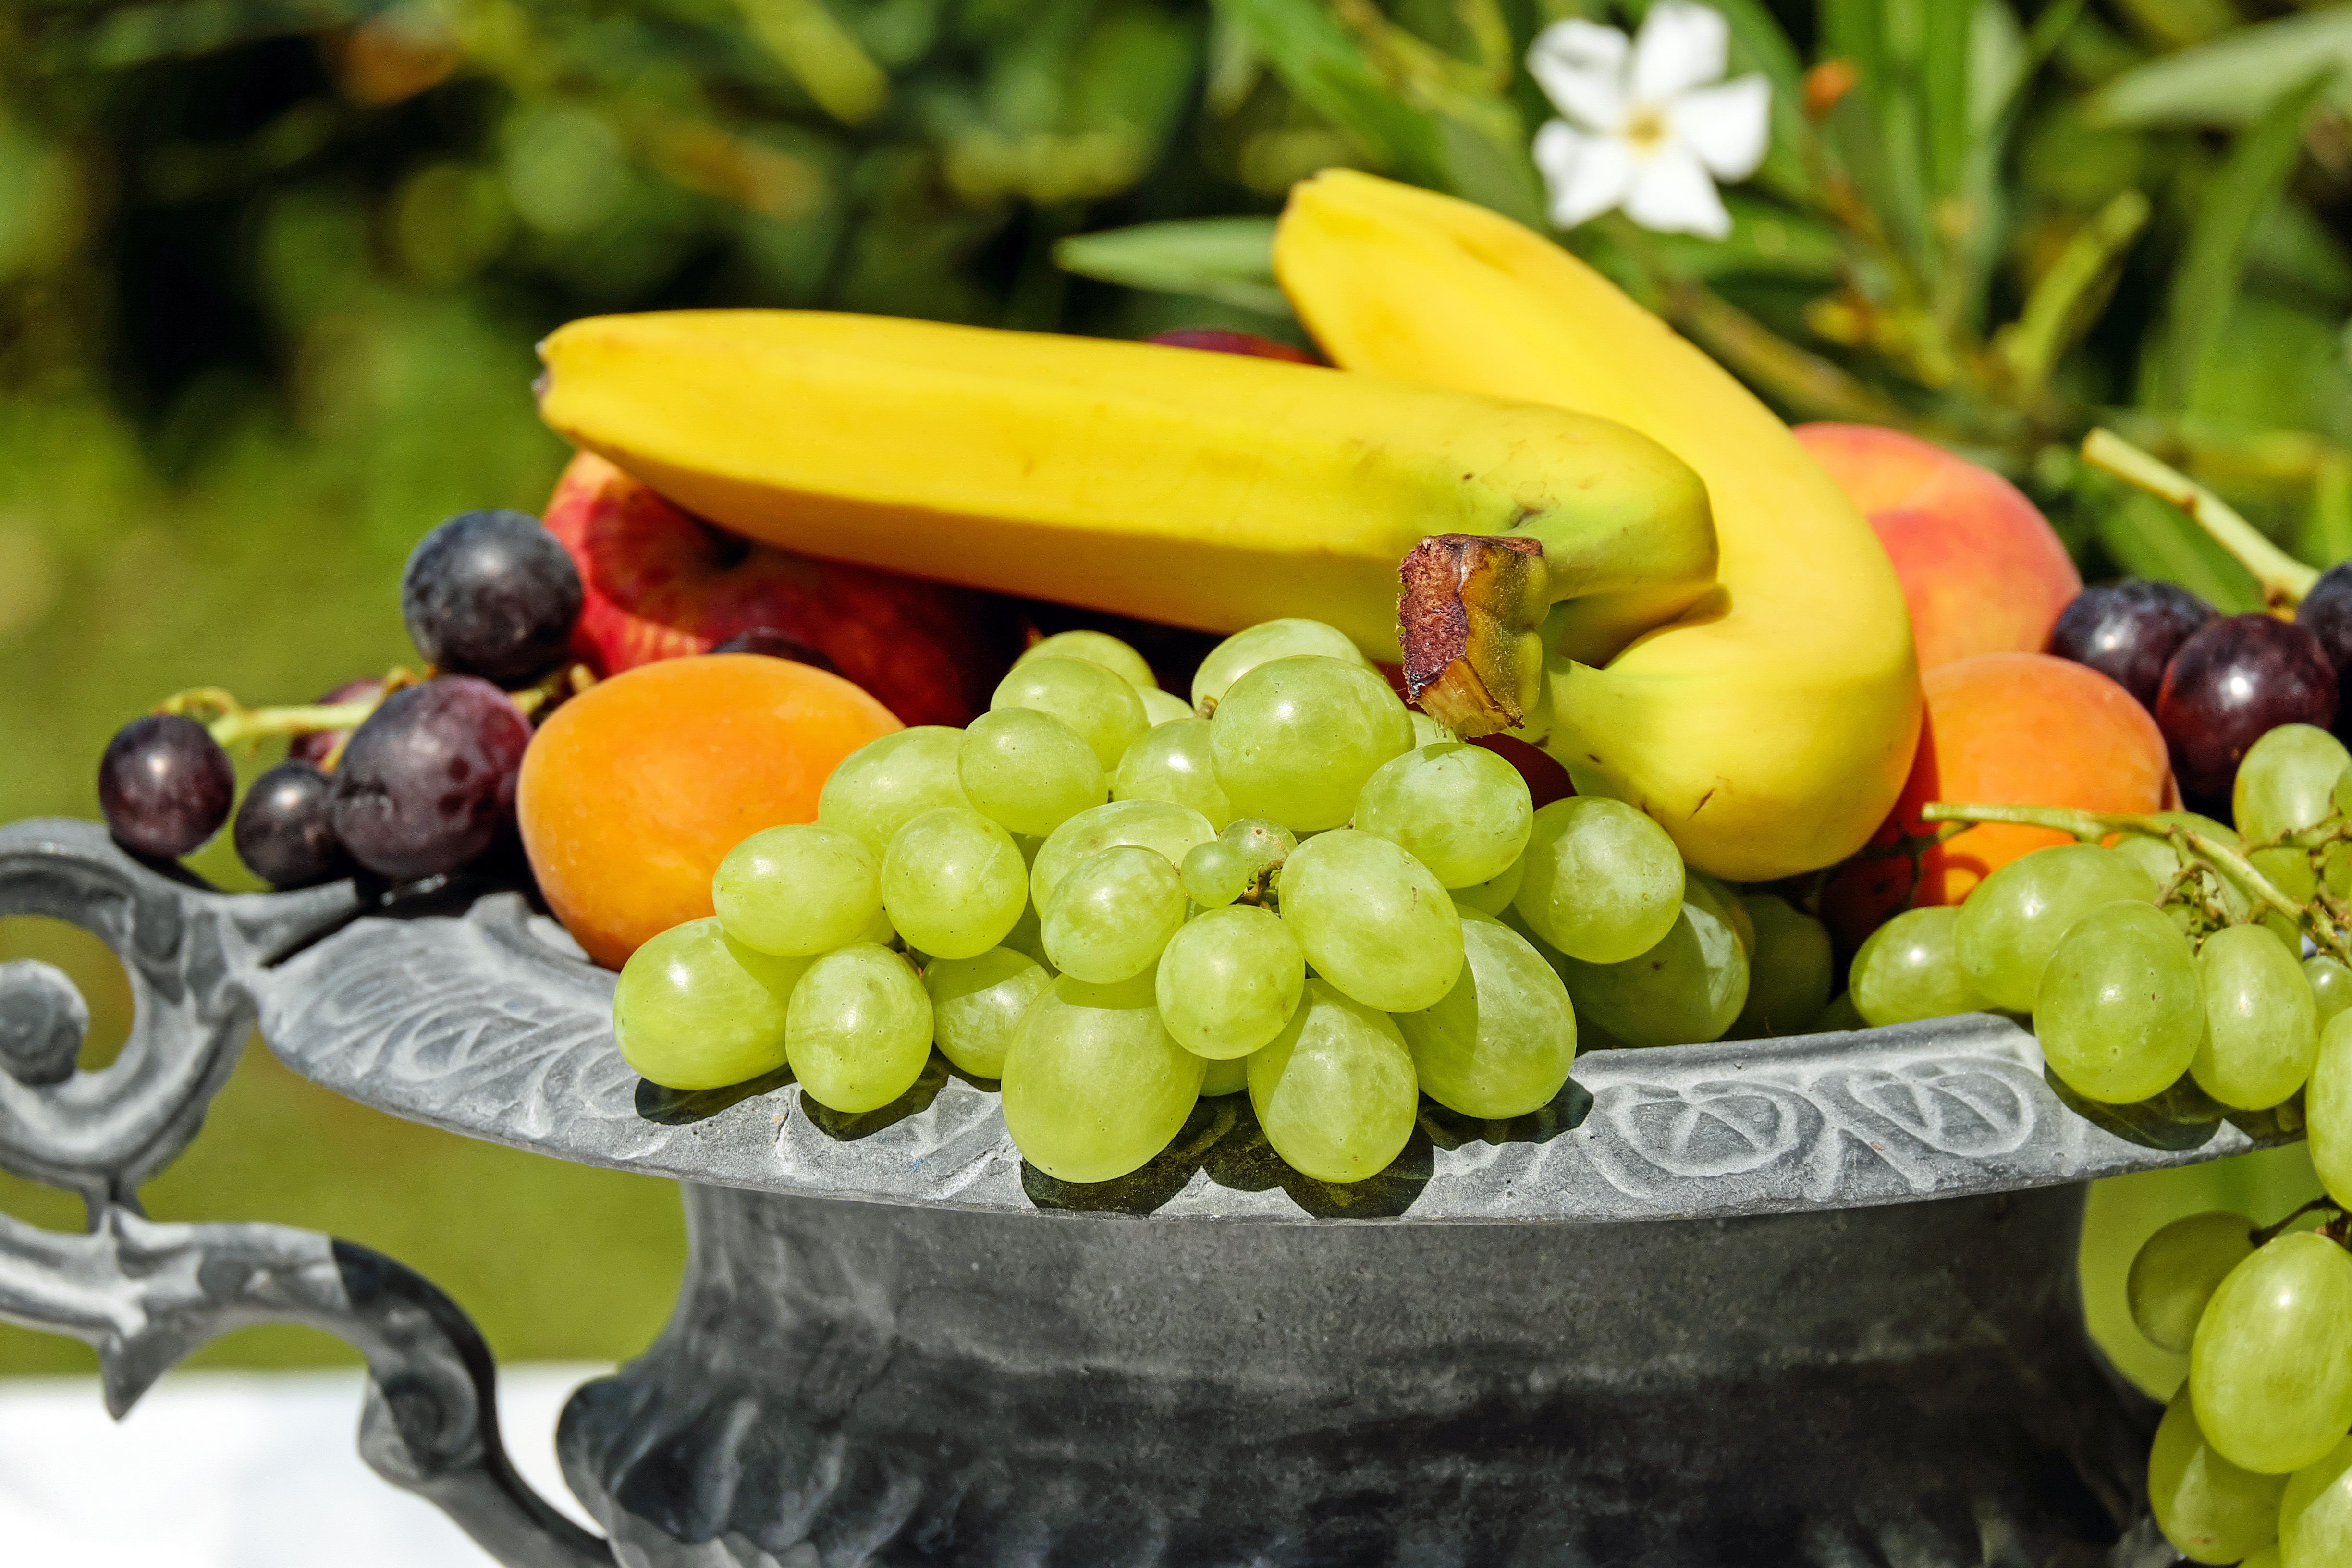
(1980, 568)
(2011, 729)
(634, 791)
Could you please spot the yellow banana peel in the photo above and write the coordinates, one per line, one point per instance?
(1213, 490)
(1770, 727)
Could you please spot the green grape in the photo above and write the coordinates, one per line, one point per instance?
(1603, 883)
(860, 1030)
(977, 1004)
(2262, 1027)
(1494, 895)
(2284, 780)
(2342, 793)
(2271, 1369)
(1027, 937)
(1907, 970)
(1216, 873)
(1171, 829)
(1500, 1043)
(1841, 1014)
(1094, 1084)
(2120, 1011)
(1789, 967)
(888, 782)
(2290, 872)
(2175, 1272)
(2210, 1508)
(1108, 919)
(1374, 921)
(1246, 650)
(1689, 988)
(1097, 705)
(1228, 1077)
(1335, 1092)
(2328, 1109)
(2331, 985)
(2014, 919)
(1162, 707)
(1229, 981)
(1028, 770)
(1461, 811)
(2315, 1516)
(2159, 860)
(1727, 899)
(1171, 763)
(2335, 869)
(1267, 844)
(1294, 740)
(799, 890)
(1426, 731)
(2268, 1557)
(696, 1009)
(1096, 648)
(953, 883)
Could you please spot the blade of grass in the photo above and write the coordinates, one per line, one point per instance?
(2327, 536)
(2228, 81)
(2067, 298)
(1229, 260)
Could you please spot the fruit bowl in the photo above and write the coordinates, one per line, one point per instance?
(1760, 1302)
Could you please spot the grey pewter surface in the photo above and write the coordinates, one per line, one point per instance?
(850, 1383)
(482, 1023)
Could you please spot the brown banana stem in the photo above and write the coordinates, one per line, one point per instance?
(1466, 619)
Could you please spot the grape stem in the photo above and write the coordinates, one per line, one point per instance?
(2263, 1236)
(232, 724)
(2285, 580)
(2092, 826)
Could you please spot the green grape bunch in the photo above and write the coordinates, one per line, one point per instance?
(1110, 902)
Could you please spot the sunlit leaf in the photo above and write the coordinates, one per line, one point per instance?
(2231, 80)
(1228, 259)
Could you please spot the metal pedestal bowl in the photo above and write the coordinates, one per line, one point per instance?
(1768, 1302)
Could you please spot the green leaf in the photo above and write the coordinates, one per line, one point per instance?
(2327, 536)
(1324, 69)
(1230, 259)
(2148, 538)
(2231, 80)
(1944, 61)
(2205, 286)
(1766, 241)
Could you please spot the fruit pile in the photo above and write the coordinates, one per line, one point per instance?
(1114, 903)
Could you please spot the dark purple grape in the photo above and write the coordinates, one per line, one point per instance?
(164, 784)
(2237, 679)
(282, 832)
(2327, 613)
(316, 745)
(490, 593)
(2128, 631)
(774, 644)
(428, 781)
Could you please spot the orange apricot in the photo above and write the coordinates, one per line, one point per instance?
(633, 792)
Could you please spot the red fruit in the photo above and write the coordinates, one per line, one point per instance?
(662, 585)
(1218, 339)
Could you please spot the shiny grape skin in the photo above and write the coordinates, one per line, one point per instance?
(283, 833)
(316, 745)
(164, 784)
(490, 593)
(428, 781)
(2234, 681)
(2128, 631)
(774, 644)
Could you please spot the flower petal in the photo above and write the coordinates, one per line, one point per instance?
(1680, 46)
(1586, 175)
(1729, 126)
(1581, 69)
(1672, 195)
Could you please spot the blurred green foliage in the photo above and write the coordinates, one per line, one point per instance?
(270, 270)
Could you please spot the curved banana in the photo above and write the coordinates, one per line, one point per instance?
(1770, 728)
(1213, 490)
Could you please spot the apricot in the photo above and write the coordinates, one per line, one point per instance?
(633, 792)
(1982, 570)
(2007, 728)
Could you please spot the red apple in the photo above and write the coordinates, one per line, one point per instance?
(1980, 566)
(1225, 341)
(659, 584)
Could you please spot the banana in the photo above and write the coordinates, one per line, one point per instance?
(1209, 490)
(1769, 726)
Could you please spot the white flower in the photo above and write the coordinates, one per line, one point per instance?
(1643, 129)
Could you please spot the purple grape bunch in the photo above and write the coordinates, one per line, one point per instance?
(425, 783)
